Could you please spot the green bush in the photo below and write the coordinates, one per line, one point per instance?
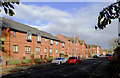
(26, 61)
(37, 60)
(48, 59)
(12, 62)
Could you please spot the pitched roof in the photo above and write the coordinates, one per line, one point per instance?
(25, 28)
(72, 39)
(91, 46)
(81, 42)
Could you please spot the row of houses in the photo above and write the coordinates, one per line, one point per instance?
(22, 41)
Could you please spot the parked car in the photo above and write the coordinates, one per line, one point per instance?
(59, 60)
(73, 60)
(95, 56)
(107, 55)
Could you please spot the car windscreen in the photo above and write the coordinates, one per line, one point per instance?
(58, 59)
(71, 57)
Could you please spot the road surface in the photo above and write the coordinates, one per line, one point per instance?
(89, 68)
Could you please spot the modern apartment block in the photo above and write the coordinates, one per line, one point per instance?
(22, 41)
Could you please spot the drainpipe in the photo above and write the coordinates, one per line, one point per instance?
(33, 45)
(9, 43)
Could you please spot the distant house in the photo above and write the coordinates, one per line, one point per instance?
(73, 46)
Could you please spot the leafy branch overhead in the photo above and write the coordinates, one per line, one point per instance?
(108, 14)
(8, 7)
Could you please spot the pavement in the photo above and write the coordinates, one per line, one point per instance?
(89, 68)
(17, 70)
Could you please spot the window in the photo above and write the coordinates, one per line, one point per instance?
(50, 51)
(46, 40)
(13, 33)
(51, 41)
(56, 43)
(56, 51)
(27, 49)
(38, 38)
(37, 50)
(15, 48)
(45, 50)
(63, 51)
(62, 44)
(29, 36)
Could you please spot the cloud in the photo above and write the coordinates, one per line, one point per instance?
(81, 21)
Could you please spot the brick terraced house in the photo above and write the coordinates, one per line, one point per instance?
(73, 46)
(22, 41)
(94, 50)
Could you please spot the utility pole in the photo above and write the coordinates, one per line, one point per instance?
(119, 24)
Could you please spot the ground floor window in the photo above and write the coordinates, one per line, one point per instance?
(15, 48)
(37, 50)
(45, 50)
(27, 49)
(50, 51)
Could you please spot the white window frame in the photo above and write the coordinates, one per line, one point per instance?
(27, 49)
(15, 48)
(63, 44)
(51, 41)
(46, 40)
(56, 51)
(39, 38)
(37, 50)
(14, 33)
(50, 51)
(63, 51)
(45, 50)
(29, 36)
(56, 43)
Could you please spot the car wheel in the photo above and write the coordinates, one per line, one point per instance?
(60, 62)
(76, 63)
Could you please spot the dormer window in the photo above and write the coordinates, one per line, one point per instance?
(62, 44)
(56, 43)
(29, 36)
(51, 41)
(39, 38)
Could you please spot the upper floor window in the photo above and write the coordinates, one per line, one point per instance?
(29, 36)
(14, 33)
(37, 50)
(38, 38)
(45, 50)
(62, 44)
(56, 43)
(27, 49)
(15, 48)
(51, 41)
(46, 40)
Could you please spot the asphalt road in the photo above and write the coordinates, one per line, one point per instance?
(89, 68)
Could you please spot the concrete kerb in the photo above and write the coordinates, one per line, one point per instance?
(22, 68)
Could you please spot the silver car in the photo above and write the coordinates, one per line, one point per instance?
(59, 60)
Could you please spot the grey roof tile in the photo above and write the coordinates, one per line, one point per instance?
(25, 28)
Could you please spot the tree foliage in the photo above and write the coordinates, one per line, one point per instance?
(108, 14)
(8, 7)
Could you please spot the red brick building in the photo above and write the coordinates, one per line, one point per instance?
(94, 50)
(73, 46)
(22, 41)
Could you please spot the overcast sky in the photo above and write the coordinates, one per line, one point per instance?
(67, 18)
